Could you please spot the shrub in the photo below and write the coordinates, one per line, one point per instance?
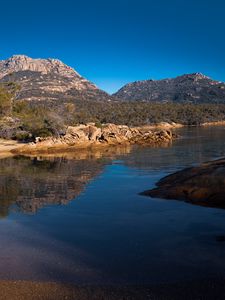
(5, 102)
(21, 135)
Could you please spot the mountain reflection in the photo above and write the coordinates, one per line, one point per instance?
(28, 184)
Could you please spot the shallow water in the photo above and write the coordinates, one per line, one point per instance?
(79, 218)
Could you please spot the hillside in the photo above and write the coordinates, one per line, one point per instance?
(189, 88)
(47, 79)
(42, 97)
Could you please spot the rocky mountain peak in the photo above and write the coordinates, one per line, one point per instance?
(197, 76)
(19, 57)
(18, 63)
(47, 79)
(188, 88)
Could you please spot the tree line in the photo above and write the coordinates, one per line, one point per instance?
(24, 120)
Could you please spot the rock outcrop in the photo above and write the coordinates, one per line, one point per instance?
(47, 79)
(83, 136)
(203, 185)
(19, 63)
(189, 88)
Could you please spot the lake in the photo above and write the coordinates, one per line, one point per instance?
(79, 217)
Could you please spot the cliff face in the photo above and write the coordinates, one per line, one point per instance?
(19, 63)
(47, 79)
(189, 88)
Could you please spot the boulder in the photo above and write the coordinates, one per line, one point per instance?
(94, 133)
(202, 185)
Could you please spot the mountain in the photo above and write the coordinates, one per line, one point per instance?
(51, 80)
(193, 88)
(47, 79)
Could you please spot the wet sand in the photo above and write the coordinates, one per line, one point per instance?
(25, 290)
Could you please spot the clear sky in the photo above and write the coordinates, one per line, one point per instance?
(113, 42)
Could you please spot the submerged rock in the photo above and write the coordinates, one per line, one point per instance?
(202, 185)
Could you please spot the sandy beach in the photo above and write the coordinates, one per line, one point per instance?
(196, 290)
(6, 146)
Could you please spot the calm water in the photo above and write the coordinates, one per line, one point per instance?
(80, 217)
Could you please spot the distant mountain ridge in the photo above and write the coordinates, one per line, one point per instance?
(47, 79)
(188, 88)
(52, 80)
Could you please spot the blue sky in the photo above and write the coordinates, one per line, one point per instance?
(115, 42)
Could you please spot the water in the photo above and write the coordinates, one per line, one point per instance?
(79, 217)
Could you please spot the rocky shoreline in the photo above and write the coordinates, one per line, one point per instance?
(91, 136)
(95, 137)
(202, 185)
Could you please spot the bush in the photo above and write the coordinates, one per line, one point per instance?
(21, 135)
(5, 102)
(38, 120)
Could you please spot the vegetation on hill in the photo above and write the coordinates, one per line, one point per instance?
(141, 113)
(24, 120)
(189, 88)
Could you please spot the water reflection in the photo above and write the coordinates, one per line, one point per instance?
(28, 184)
(195, 145)
(110, 234)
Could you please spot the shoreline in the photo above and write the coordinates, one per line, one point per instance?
(33, 290)
(216, 123)
(9, 148)
(199, 185)
(90, 137)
